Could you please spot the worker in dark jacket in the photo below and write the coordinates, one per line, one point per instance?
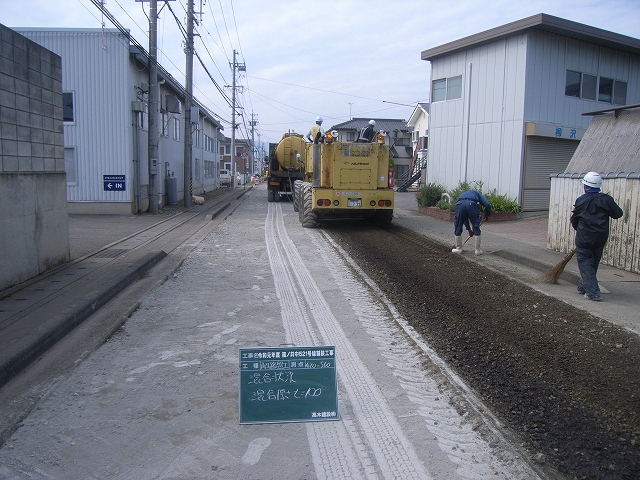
(467, 210)
(367, 132)
(590, 219)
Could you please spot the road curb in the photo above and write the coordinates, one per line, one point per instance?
(60, 325)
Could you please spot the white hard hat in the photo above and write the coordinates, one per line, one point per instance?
(372, 123)
(318, 119)
(592, 179)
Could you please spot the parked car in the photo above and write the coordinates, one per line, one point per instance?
(225, 178)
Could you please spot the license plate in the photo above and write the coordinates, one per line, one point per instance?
(354, 202)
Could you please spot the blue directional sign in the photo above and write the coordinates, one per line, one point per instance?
(114, 183)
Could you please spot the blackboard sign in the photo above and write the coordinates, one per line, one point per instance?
(288, 384)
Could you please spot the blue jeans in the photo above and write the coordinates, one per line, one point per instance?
(588, 261)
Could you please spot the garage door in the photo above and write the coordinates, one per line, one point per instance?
(543, 156)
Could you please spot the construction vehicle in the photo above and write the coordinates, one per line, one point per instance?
(340, 179)
(285, 167)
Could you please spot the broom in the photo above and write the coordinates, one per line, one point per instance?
(552, 276)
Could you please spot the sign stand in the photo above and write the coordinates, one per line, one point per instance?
(288, 384)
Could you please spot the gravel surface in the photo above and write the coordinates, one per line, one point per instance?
(566, 382)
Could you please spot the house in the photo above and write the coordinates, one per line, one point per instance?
(419, 125)
(34, 234)
(241, 165)
(506, 104)
(610, 147)
(106, 125)
(398, 137)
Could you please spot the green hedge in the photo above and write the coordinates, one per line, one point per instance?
(499, 203)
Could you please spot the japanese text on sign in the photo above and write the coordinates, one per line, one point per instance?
(288, 384)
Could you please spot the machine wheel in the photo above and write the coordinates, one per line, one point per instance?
(269, 195)
(382, 218)
(276, 195)
(308, 218)
(297, 185)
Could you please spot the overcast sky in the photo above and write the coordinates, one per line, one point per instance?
(350, 58)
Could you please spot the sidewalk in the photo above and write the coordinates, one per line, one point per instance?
(519, 249)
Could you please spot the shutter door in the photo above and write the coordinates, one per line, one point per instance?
(544, 156)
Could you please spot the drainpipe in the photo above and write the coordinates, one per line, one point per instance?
(466, 155)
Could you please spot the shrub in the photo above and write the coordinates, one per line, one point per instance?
(430, 194)
(502, 203)
(499, 203)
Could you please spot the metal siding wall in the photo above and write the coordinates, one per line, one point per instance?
(550, 56)
(100, 133)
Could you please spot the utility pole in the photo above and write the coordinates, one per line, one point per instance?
(188, 141)
(154, 134)
(254, 122)
(241, 68)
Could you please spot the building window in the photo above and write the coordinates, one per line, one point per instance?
(572, 84)
(196, 136)
(70, 165)
(605, 91)
(165, 124)
(351, 136)
(587, 87)
(209, 168)
(197, 168)
(227, 149)
(454, 87)
(619, 92)
(402, 142)
(176, 129)
(446, 89)
(67, 107)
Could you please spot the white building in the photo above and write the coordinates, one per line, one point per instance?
(506, 104)
(105, 82)
(418, 124)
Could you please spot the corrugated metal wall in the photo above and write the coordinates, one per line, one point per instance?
(544, 156)
(623, 248)
(94, 68)
(481, 134)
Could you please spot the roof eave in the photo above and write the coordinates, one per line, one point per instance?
(544, 22)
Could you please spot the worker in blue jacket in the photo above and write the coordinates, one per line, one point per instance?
(590, 219)
(467, 210)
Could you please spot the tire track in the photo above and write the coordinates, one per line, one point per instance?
(394, 455)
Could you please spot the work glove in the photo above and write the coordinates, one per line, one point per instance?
(470, 233)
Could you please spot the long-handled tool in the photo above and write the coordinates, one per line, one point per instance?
(552, 276)
(465, 242)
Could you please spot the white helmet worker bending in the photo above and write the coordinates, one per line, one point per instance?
(593, 180)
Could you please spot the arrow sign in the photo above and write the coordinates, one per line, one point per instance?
(114, 183)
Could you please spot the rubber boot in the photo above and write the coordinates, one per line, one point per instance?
(458, 247)
(477, 245)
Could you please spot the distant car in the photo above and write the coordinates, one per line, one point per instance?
(225, 178)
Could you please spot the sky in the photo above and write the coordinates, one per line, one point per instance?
(339, 60)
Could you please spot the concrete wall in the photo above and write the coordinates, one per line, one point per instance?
(34, 233)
